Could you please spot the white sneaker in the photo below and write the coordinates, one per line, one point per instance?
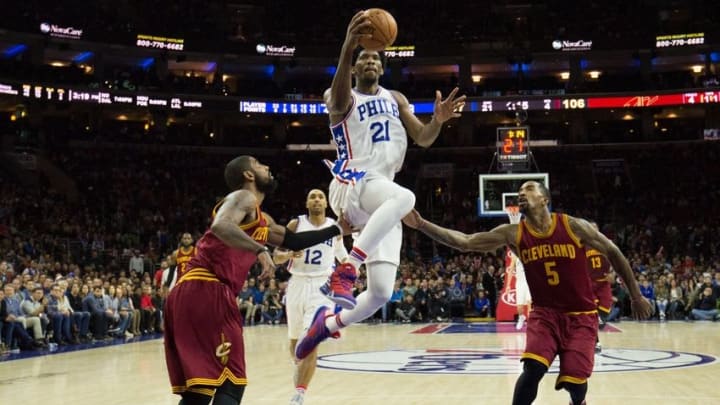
(520, 322)
(297, 399)
(129, 335)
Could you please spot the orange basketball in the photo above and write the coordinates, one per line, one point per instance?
(383, 30)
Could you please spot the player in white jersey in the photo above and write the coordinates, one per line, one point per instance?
(310, 269)
(370, 126)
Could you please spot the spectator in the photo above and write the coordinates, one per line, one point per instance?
(662, 294)
(482, 304)
(647, 290)
(99, 315)
(80, 317)
(246, 305)
(136, 264)
(421, 300)
(125, 310)
(20, 322)
(272, 308)
(406, 310)
(34, 312)
(59, 313)
(677, 300)
(148, 310)
(706, 306)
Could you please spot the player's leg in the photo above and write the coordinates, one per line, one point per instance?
(577, 355)
(300, 308)
(195, 398)
(228, 394)
(380, 281)
(387, 203)
(381, 277)
(540, 349)
(526, 386)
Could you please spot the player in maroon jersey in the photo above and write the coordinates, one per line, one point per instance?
(564, 318)
(203, 328)
(599, 268)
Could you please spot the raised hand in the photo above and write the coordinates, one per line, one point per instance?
(451, 107)
(359, 27)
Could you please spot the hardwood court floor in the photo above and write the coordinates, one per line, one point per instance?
(135, 373)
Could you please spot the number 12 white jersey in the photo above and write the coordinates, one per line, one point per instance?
(316, 260)
(371, 137)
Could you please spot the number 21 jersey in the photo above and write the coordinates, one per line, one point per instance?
(371, 137)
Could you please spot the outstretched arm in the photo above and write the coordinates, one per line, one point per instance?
(283, 237)
(425, 134)
(477, 242)
(593, 238)
(280, 255)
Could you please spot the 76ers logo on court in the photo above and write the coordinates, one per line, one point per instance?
(499, 361)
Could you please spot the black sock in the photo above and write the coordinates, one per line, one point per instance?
(526, 386)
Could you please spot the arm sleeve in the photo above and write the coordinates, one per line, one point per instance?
(302, 240)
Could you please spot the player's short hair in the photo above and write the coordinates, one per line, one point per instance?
(544, 190)
(234, 171)
(383, 57)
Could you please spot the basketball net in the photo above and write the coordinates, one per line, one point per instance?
(513, 213)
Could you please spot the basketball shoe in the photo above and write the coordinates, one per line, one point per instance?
(339, 286)
(315, 334)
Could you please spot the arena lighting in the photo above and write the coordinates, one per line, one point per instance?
(628, 117)
(14, 50)
(476, 78)
(594, 74)
(564, 75)
(696, 68)
(82, 57)
(146, 63)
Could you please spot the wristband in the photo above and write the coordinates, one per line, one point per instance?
(261, 250)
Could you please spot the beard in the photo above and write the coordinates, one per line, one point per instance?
(266, 186)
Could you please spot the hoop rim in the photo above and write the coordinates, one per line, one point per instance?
(512, 209)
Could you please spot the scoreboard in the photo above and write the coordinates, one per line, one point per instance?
(513, 148)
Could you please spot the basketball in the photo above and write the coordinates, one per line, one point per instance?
(384, 30)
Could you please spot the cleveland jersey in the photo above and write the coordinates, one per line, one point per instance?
(599, 266)
(183, 257)
(556, 267)
(316, 260)
(231, 266)
(371, 137)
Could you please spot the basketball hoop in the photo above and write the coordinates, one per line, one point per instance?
(513, 213)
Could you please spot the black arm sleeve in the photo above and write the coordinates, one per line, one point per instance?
(302, 240)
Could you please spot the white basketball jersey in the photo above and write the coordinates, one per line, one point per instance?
(519, 271)
(316, 260)
(371, 137)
